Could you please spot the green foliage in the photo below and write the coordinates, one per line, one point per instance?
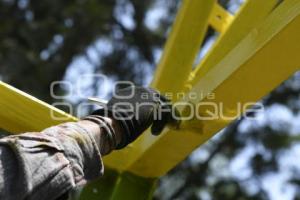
(39, 39)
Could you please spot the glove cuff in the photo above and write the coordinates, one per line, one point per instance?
(127, 125)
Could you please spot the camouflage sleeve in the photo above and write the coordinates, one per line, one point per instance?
(46, 165)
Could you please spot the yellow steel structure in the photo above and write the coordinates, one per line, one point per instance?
(220, 19)
(259, 63)
(180, 50)
(248, 17)
(257, 49)
(20, 112)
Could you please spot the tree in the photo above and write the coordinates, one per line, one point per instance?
(40, 39)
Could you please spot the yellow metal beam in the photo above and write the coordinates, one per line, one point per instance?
(250, 15)
(182, 45)
(20, 112)
(259, 63)
(220, 19)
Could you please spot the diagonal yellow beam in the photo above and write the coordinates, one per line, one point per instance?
(250, 15)
(182, 45)
(20, 112)
(260, 62)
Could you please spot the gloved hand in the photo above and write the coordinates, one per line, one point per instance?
(135, 109)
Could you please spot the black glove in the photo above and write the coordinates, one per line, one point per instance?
(136, 108)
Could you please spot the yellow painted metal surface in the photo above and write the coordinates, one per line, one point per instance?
(20, 112)
(220, 19)
(260, 62)
(248, 70)
(252, 13)
(182, 45)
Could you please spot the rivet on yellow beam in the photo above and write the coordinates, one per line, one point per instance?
(220, 18)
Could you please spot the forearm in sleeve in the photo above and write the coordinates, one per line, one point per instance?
(46, 165)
